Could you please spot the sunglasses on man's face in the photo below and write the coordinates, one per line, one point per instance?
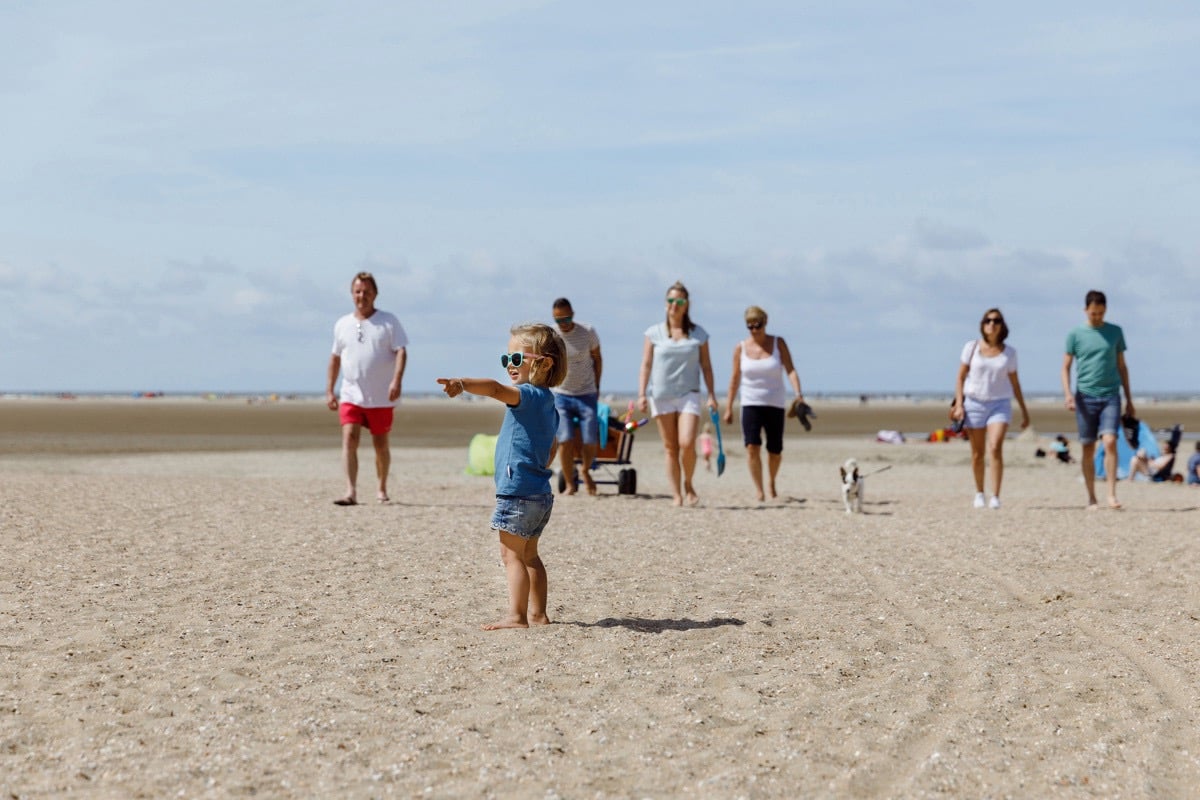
(563, 320)
(516, 359)
(677, 301)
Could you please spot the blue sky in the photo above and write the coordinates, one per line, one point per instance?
(186, 189)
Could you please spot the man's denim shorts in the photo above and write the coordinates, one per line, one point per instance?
(522, 516)
(1097, 416)
(581, 407)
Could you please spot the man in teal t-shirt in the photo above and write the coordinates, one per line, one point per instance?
(1098, 351)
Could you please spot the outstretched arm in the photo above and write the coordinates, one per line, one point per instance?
(484, 387)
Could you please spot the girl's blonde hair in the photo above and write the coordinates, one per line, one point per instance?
(544, 341)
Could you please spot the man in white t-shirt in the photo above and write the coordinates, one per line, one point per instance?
(577, 396)
(370, 351)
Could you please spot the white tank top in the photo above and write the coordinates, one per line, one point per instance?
(762, 380)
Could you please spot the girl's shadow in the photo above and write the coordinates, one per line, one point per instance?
(659, 625)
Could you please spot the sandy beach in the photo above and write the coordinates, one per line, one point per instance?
(184, 612)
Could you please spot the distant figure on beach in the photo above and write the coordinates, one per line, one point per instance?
(1062, 449)
(983, 393)
(536, 360)
(576, 399)
(1193, 467)
(1098, 350)
(759, 364)
(370, 351)
(674, 357)
(1154, 469)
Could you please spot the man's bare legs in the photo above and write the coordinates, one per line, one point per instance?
(589, 456)
(527, 583)
(350, 436)
(383, 462)
(568, 451)
(1088, 465)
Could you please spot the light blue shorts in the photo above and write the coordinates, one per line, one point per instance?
(1097, 416)
(522, 516)
(981, 413)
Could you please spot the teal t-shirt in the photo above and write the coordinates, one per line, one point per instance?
(1095, 351)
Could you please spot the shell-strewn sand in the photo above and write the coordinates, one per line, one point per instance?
(209, 624)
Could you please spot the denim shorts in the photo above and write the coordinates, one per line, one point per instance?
(1097, 416)
(981, 413)
(522, 516)
(581, 409)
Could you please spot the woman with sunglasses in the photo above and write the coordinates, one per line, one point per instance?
(987, 383)
(759, 364)
(674, 357)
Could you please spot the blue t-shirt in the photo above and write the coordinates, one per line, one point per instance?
(523, 446)
(1095, 351)
(675, 370)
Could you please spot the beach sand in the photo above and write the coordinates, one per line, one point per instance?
(184, 612)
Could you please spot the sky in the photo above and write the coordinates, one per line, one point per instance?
(187, 189)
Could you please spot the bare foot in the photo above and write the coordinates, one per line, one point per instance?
(538, 619)
(590, 484)
(1093, 506)
(693, 500)
(502, 624)
(383, 498)
(677, 501)
(760, 496)
(1114, 504)
(345, 501)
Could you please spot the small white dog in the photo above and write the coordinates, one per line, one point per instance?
(853, 483)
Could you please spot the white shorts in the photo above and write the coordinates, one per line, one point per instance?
(687, 404)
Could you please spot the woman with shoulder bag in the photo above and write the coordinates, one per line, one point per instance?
(987, 383)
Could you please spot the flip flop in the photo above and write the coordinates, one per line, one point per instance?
(345, 501)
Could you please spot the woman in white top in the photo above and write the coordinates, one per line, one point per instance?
(987, 383)
(674, 359)
(759, 364)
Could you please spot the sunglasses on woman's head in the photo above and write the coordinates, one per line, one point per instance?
(677, 301)
(517, 359)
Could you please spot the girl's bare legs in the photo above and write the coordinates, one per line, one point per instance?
(754, 462)
(668, 431)
(527, 584)
(689, 426)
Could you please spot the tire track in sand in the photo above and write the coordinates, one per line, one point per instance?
(954, 697)
(1177, 767)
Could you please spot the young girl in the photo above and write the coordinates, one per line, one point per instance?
(535, 361)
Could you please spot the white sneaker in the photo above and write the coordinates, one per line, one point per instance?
(994, 502)
(979, 501)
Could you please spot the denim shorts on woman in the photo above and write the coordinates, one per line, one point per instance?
(1097, 416)
(981, 413)
(522, 516)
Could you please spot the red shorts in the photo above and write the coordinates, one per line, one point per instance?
(377, 420)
